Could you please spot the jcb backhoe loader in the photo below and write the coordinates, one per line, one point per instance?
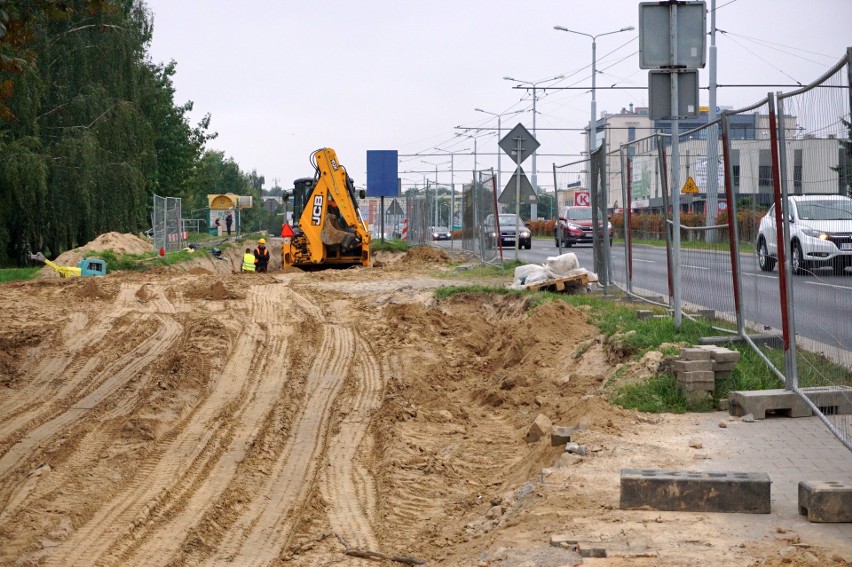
(329, 230)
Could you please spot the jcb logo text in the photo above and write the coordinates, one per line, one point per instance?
(316, 212)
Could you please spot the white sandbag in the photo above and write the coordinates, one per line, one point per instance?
(593, 277)
(538, 277)
(562, 265)
(522, 273)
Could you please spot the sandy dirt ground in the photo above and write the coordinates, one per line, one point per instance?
(198, 416)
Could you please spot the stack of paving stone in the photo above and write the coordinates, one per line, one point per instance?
(698, 368)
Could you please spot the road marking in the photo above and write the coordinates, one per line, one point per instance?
(844, 288)
(754, 275)
(695, 267)
(646, 261)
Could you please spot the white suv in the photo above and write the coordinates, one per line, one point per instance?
(820, 234)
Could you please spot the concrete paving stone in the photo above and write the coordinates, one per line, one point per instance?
(694, 354)
(692, 365)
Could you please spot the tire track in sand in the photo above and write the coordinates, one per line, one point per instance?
(194, 497)
(260, 534)
(346, 484)
(116, 373)
(28, 404)
(200, 450)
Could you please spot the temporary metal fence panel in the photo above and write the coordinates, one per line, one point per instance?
(418, 209)
(479, 217)
(707, 255)
(800, 325)
(639, 263)
(169, 233)
(572, 190)
(814, 133)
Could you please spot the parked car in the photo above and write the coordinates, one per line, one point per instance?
(820, 234)
(509, 230)
(574, 226)
(441, 233)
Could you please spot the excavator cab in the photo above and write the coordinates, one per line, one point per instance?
(301, 191)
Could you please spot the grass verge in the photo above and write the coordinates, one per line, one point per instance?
(632, 338)
(17, 274)
(389, 245)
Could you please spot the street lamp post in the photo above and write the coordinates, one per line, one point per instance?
(437, 223)
(601, 249)
(533, 207)
(452, 188)
(500, 137)
(593, 120)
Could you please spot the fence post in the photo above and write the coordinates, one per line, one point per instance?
(733, 233)
(626, 198)
(664, 188)
(785, 270)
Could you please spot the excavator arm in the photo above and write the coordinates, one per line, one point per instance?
(331, 230)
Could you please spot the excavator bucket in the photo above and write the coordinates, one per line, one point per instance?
(332, 234)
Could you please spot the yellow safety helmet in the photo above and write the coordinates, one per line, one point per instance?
(262, 241)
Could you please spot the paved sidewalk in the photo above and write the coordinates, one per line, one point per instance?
(789, 450)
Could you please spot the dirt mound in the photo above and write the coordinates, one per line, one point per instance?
(425, 255)
(118, 242)
(90, 288)
(217, 291)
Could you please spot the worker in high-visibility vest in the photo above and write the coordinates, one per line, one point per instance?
(248, 261)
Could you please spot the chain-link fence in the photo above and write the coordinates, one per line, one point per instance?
(812, 182)
(737, 179)
(169, 233)
(480, 218)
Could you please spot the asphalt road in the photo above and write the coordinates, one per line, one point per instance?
(822, 301)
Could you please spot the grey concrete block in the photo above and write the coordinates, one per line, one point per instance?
(723, 376)
(692, 365)
(689, 377)
(758, 402)
(695, 394)
(694, 353)
(643, 314)
(687, 387)
(560, 435)
(695, 377)
(692, 491)
(825, 501)
(725, 355)
(723, 366)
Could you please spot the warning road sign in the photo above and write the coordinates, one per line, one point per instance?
(689, 186)
(507, 197)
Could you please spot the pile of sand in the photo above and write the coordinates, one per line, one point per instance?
(118, 242)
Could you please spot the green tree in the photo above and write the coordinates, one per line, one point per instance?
(88, 125)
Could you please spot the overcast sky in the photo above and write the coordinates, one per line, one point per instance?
(282, 78)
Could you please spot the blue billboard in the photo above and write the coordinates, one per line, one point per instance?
(382, 173)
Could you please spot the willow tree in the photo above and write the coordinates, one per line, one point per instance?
(88, 125)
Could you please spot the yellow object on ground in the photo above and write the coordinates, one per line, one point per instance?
(65, 271)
